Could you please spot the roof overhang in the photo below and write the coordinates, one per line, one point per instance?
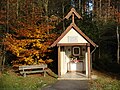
(73, 25)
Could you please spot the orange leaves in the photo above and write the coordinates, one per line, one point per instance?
(118, 17)
(38, 45)
(48, 61)
(45, 61)
(41, 61)
(29, 60)
(30, 43)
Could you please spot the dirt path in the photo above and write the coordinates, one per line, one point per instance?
(68, 85)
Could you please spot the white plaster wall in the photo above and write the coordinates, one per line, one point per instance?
(67, 53)
(75, 66)
(62, 64)
(73, 33)
(64, 60)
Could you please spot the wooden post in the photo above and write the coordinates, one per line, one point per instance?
(89, 68)
(59, 62)
(73, 17)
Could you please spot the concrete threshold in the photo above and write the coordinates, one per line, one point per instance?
(74, 78)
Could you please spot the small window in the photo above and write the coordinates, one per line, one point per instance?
(76, 51)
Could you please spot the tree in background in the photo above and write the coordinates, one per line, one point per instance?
(105, 13)
(117, 4)
(30, 44)
(26, 16)
(26, 38)
(3, 30)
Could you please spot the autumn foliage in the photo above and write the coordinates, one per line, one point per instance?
(31, 43)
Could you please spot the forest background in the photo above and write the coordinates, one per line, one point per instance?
(28, 28)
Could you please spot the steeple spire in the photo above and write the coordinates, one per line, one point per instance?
(73, 13)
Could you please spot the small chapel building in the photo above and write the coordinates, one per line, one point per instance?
(74, 55)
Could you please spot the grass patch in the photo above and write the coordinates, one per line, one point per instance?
(104, 82)
(11, 81)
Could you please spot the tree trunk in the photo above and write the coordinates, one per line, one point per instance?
(3, 62)
(32, 9)
(7, 30)
(0, 60)
(100, 9)
(79, 5)
(118, 42)
(108, 15)
(46, 11)
(93, 9)
(88, 8)
(99, 51)
(63, 15)
(17, 7)
(7, 16)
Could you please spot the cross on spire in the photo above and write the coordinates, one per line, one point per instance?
(73, 13)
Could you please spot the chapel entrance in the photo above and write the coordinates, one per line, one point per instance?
(73, 59)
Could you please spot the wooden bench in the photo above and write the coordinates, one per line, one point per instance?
(32, 69)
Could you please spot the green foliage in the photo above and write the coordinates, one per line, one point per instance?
(103, 34)
(106, 63)
(11, 81)
(104, 82)
(103, 62)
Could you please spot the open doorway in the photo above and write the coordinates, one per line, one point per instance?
(73, 59)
